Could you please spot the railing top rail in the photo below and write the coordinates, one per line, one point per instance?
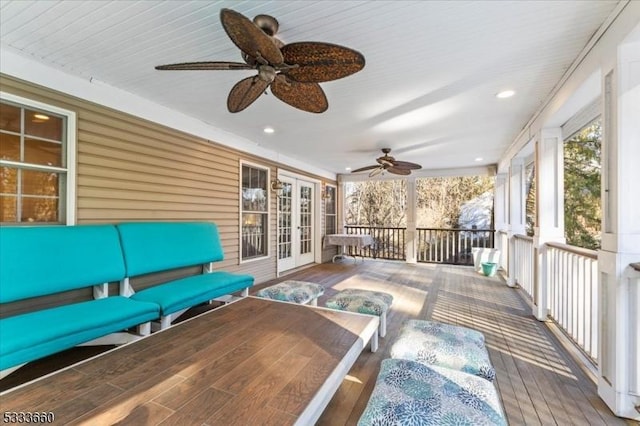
(523, 237)
(374, 227)
(421, 229)
(592, 254)
(456, 229)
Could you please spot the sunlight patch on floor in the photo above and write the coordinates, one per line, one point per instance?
(351, 378)
(408, 300)
(538, 362)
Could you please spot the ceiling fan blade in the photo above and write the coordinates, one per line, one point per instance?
(305, 96)
(376, 172)
(245, 92)
(397, 171)
(318, 62)
(406, 165)
(205, 66)
(362, 169)
(249, 37)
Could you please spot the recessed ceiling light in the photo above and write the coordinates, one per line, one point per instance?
(269, 130)
(347, 168)
(505, 94)
(478, 159)
(41, 116)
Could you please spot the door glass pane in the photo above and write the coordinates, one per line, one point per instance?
(306, 207)
(284, 228)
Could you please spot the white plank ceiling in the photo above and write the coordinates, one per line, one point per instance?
(427, 91)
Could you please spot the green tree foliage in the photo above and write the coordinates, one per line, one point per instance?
(376, 203)
(383, 203)
(582, 171)
(440, 199)
(530, 207)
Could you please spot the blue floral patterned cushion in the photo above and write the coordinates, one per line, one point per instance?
(444, 345)
(410, 393)
(292, 291)
(361, 301)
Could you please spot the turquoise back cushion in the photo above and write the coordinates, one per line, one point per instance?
(40, 260)
(158, 246)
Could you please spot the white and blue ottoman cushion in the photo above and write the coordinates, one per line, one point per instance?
(444, 345)
(292, 291)
(410, 393)
(361, 301)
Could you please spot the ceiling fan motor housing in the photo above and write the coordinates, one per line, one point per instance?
(267, 23)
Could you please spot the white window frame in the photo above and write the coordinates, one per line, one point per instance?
(333, 215)
(69, 146)
(241, 212)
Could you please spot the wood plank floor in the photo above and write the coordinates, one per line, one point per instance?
(538, 382)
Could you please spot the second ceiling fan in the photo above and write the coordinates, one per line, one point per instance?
(389, 164)
(292, 71)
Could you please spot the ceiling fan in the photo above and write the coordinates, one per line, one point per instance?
(293, 70)
(389, 164)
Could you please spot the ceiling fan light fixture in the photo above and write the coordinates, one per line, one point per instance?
(505, 94)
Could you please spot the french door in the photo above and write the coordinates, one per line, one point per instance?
(296, 223)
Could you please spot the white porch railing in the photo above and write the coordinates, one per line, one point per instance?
(573, 293)
(524, 263)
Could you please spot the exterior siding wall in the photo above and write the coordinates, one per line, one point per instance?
(129, 169)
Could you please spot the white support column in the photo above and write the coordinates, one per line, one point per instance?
(411, 242)
(619, 295)
(517, 212)
(341, 199)
(500, 219)
(549, 210)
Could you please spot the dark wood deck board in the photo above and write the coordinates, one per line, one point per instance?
(538, 381)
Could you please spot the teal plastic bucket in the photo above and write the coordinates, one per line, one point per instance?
(489, 268)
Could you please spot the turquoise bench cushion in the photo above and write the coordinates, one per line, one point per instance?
(42, 260)
(159, 246)
(444, 345)
(187, 292)
(410, 393)
(34, 335)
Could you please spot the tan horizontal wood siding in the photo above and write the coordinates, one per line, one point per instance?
(130, 169)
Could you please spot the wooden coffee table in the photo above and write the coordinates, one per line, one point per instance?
(254, 361)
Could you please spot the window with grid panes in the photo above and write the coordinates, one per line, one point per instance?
(330, 210)
(254, 211)
(33, 164)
